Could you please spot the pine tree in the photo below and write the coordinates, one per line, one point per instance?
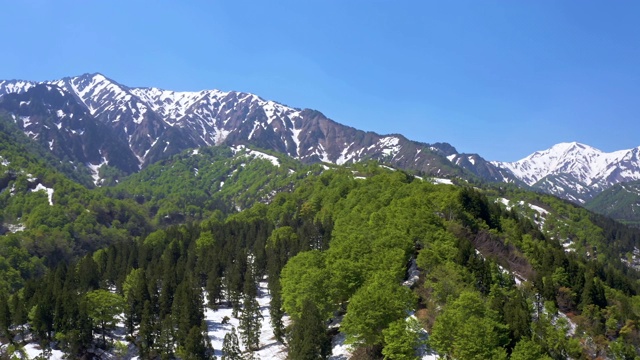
(5, 315)
(19, 312)
(88, 274)
(277, 312)
(146, 332)
(214, 288)
(187, 309)
(233, 285)
(166, 340)
(81, 336)
(251, 323)
(231, 346)
(195, 347)
(309, 339)
(135, 294)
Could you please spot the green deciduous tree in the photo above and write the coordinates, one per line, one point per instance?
(305, 277)
(466, 329)
(402, 339)
(103, 307)
(528, 350)
(373, 307)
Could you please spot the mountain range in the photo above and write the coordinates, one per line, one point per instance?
(94, 121)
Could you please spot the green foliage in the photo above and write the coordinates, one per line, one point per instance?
(103, 307)
(402, 339)
(373, 307)
(467, 329)
(528, 350)
(304, 278)
(195, 184)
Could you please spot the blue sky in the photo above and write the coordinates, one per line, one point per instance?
(498, 78)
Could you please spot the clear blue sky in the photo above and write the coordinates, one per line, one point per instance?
(498, 78)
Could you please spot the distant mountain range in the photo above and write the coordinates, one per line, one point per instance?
(94, 121)
(575, 171)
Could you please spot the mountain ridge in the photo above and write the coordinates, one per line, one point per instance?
(158, 123)
(94, 121)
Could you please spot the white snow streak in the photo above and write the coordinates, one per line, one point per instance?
(49, 192)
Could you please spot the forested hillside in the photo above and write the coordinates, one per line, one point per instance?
(47, 218)
(501, 273)
(192, 185)
(620, 202)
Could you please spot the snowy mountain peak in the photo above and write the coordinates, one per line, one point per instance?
(575, 167)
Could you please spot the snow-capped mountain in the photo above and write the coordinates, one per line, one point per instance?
(93, 120)
(575, 171)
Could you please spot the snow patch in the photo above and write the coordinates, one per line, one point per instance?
(15, 227)
(390, 145)
(295, 135)
(49, 191)
(441, 181)
(33, 351)
(95, 170)
(26, 121)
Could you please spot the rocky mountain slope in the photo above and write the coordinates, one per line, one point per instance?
(93, 120)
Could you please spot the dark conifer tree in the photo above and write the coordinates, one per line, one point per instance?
(250, 323)
(88, 274)
(80, 337)
(5, 316)
(18, 309)
(309, 339)
(277, 312)
(146, 333)
(233, 279)
(214, 288)
(187, 309)
(195, 347)
(41, 316)
(231, 346)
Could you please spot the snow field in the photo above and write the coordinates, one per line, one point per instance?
(270, 348)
